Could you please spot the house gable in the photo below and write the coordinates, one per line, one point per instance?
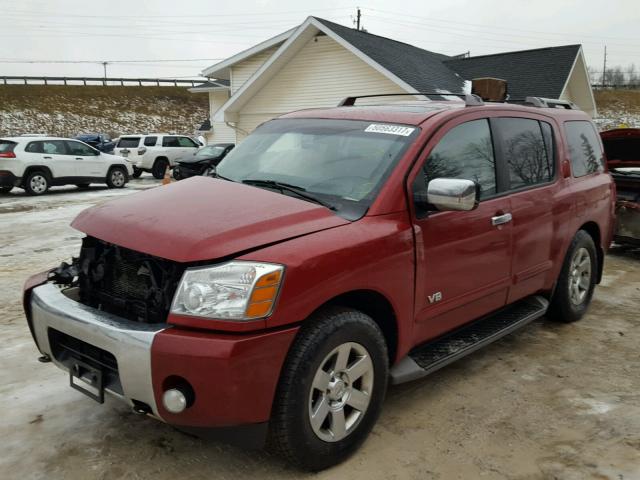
(577, 88)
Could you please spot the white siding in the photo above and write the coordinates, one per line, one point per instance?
(221, 132)
(320, 75)
(241, 71)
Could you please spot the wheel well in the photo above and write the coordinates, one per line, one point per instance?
(376, 306)
(594, 231)
(36, 168)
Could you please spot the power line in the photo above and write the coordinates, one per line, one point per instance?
(14, 60)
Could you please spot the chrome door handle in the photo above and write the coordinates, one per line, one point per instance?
(501, 219)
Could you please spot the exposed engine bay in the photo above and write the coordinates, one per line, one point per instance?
(123, 282)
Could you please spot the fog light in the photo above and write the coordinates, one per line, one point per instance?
(174, 400)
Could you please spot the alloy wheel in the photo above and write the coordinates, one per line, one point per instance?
(579, 276)
(341, 392)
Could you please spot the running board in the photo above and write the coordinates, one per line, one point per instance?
(434, 355)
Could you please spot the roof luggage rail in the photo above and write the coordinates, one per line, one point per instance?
(470, 99)
(541, 102)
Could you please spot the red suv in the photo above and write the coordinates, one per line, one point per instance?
(337, 250)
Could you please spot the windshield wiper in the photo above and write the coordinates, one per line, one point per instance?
(300, 191)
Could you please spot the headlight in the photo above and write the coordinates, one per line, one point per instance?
(235, 290)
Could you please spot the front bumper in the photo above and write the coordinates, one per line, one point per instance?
(129, 342)
(233, 375)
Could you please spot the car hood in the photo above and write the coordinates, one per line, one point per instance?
(203, 219)
(194, 160)
(622, 147)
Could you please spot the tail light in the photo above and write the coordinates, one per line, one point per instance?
(7, 155)
(142, 150)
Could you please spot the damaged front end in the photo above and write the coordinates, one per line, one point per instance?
(129, 284)
(622, 147)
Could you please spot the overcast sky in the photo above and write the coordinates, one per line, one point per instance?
(207, 30)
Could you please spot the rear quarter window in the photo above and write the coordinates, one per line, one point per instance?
(7, 146)
(128, 142)
(585, 151)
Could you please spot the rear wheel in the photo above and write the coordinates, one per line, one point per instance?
(577, 280)
(36, 183)
(6, 189)
(159, 167)
(136, 172)
(331, 389)
(117, 177)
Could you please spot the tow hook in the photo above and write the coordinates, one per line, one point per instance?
(44, 359)
(141, 408)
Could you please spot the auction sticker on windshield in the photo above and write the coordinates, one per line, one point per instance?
(389, 129)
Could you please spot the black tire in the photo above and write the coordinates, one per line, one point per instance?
(568, 304)
(117, 177)
(177, 174)
(136, 172)
(5, 190)
(291, 432)
(36, 183)
(82, 186)
(159, 167)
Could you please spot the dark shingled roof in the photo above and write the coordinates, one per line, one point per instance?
(540, 73)
(422, 69)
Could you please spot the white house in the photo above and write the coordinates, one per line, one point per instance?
(319, 63)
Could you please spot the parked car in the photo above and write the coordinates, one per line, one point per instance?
(337, 251)
(37, 163)
(99, 141)
(622, 147)
(202, 161)
(155, 152)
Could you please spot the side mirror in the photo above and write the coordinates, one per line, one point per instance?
(452, 194)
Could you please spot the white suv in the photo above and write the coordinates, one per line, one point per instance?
(36, 163)
(154, 152)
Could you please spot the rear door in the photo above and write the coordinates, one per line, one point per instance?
(171, 148)
(89, 163)
(53, 154)
(463, 259)
(539, 208)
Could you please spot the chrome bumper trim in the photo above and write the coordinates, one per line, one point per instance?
(129, 342)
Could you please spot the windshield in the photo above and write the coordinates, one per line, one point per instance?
(341, 160)
(210, 151)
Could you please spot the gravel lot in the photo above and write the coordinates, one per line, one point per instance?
(550, 401)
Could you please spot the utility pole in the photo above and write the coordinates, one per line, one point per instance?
(358, 19)
(104, 66)
(604, 68)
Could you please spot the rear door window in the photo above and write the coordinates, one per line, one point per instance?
(54, 147)
(150, 141)
(128, 142)
(525, 151)
(585, 151)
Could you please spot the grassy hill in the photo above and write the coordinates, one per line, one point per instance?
(68, 110)
(617, 107)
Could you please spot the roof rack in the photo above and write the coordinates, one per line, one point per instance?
(541, 102)
(470, 100)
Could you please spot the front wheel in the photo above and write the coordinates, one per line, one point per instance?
(117, 177)
(331, 389)
(577, 280)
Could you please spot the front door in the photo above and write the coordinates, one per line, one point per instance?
(463, 258)
(88, 162)
(55, 156)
